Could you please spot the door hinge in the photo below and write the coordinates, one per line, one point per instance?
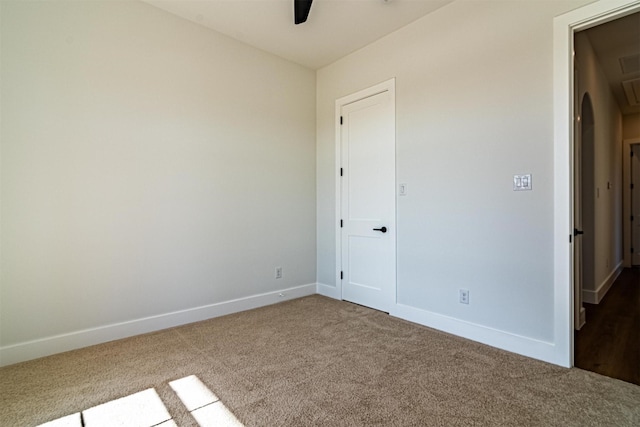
(570, 238)
(631, 186)
(632, 154)
(341, 171)
(340, 119)
(631, 250)
(341, 275)
(631, 217)
(340, 223)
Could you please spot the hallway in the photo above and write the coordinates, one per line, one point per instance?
(609, 343)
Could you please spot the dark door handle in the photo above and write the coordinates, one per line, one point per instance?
(577, 232)
(383, 229)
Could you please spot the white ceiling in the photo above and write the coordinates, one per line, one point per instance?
(611, 42)
(335, 28)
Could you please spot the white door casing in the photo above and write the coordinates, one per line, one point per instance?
(367, 214)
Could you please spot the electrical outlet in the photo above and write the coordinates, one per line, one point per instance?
(278, 272)
(464, 296)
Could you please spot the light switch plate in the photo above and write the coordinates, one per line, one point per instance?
(522, 182)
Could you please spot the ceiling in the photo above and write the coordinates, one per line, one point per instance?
(335, 28)
(617, 44)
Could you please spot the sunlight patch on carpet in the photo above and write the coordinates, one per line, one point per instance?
(193, 393)
(72, 420)
(205, 406)
(146, 409)
(216, 414)
(137, 410)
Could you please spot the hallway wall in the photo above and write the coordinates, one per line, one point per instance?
(631, 126)
(607, 174)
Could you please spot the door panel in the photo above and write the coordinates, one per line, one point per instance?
(635, 204)
(362, 272)
(577, 223)
(368, 201)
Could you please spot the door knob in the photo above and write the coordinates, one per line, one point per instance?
(383, 229)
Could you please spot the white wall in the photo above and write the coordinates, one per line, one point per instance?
(149, 166)
(607, 209)
(474, 104)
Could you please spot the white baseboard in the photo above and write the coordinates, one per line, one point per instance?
(328, 291)
(526, 346)
(59, 343)
(594, 297)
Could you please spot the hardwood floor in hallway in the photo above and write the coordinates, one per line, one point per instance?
(609, 343)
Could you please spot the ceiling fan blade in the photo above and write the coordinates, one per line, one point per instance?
(301, 10)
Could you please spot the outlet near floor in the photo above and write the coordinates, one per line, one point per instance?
(464, 296)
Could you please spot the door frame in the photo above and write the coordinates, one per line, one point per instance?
(627, 260)
(564, 27)
(386, 86)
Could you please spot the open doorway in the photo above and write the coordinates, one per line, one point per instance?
(606, 295)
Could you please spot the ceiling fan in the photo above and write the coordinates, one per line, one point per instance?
(301, 10)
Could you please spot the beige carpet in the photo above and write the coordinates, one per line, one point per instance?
(317, 361)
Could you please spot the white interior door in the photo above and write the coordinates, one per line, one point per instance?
(635, 204)
(368, 232)
(578, 310)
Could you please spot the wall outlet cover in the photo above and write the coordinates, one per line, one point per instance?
(464, 296)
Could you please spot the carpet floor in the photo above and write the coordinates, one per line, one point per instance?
(317, 361)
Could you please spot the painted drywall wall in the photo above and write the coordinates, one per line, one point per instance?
(149, 166)
(631, 126)
(607, 171)
(474, 102)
